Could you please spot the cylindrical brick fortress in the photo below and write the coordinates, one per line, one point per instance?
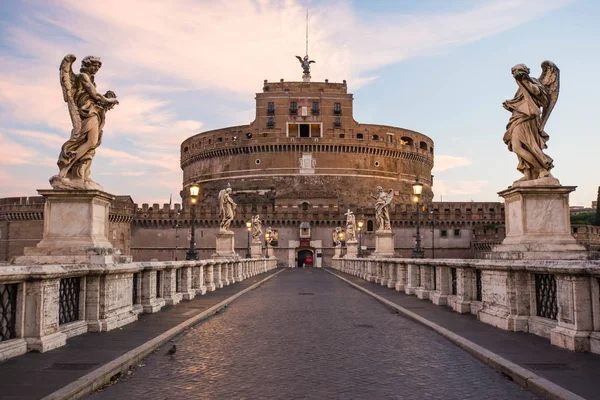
(304, 145)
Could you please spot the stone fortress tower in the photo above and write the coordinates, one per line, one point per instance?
(305, 147)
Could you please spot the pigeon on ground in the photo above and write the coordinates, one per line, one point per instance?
(172, 351)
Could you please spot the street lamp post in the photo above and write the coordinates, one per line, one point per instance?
(417, 191)
(432, 235)
(192, 253)
(267, 241)
(248, 228)
(360, 225)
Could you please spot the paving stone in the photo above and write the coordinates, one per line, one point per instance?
(337, 343)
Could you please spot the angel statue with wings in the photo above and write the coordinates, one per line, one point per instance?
(305, 62)
(382, 209)
(226, 209)
(525, 135)
(350, 226)
(337, 237)
(256, 228)
(87, 109)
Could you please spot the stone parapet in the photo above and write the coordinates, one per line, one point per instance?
(53, 303)
(556, 299)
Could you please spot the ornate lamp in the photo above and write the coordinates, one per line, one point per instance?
(360, 225)
(267, 241)
(248, 228)
(192, 253)
(417, 191)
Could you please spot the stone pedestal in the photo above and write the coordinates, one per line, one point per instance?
(538, 225)
(351, 249)
(75, 228)
(225, 245)
(337, 252)
(256, 249)
(384, 244)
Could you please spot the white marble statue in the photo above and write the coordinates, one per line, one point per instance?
(256, 228)
(382, 209)
(525, 135)
(269, 233)
(350, 226)
(337, 241)
(87, 109)
(226, 209)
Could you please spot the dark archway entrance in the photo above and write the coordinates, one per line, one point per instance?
(306, 256)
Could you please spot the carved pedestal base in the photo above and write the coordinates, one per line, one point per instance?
(75, 228)
(256, 249)
(225, 245)
(351, 250)
(538, 225)
(337, 252)
(384, 245)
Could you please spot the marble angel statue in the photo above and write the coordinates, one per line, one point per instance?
(226, 209)
(87, 109)
(256, 228)
(382, 209)
(336, 236)
(530, 108)
(350, 226)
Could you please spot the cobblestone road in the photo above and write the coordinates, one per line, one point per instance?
(307, 335)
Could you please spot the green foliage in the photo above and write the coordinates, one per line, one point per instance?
(586, 218)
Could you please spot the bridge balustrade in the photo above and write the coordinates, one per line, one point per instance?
(558, 300)
(43, 306)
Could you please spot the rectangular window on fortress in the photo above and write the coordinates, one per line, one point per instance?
(444, 233)
(315, 107)
(271, 108)
(293, 107)
(337, 109)
(304, 130)
(359, 135)
(457, 232)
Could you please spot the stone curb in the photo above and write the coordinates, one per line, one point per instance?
(522, 376)
(99, 377)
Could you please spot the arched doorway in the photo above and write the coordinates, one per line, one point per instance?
(306, 256)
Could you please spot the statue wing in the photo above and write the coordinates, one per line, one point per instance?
(311, 62)
(550, 78)
(389, 197)
(221, 213)
(299, 59)
(68, 82)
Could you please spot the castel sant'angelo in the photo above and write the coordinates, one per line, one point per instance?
(301, 165)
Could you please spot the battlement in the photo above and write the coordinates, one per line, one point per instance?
(304, 87)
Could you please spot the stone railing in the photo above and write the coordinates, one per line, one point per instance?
(559, 300)
(42, 306)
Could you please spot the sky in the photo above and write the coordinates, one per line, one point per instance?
(440, 67)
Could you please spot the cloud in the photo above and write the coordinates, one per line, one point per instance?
(444, 162)
(158, 60)
(458, 188)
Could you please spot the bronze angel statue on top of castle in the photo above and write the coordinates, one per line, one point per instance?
(87, 109)
(525, 135)
(305, 62)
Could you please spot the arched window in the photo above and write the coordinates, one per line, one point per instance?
(423, 145)
(405, 140)
(370, 226)
(305, 206)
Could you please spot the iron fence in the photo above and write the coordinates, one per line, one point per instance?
(453, 277)
(478, 291)
(68, 305)
(545, 295)
(134, 290)
(158, 284)
(8, 311)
